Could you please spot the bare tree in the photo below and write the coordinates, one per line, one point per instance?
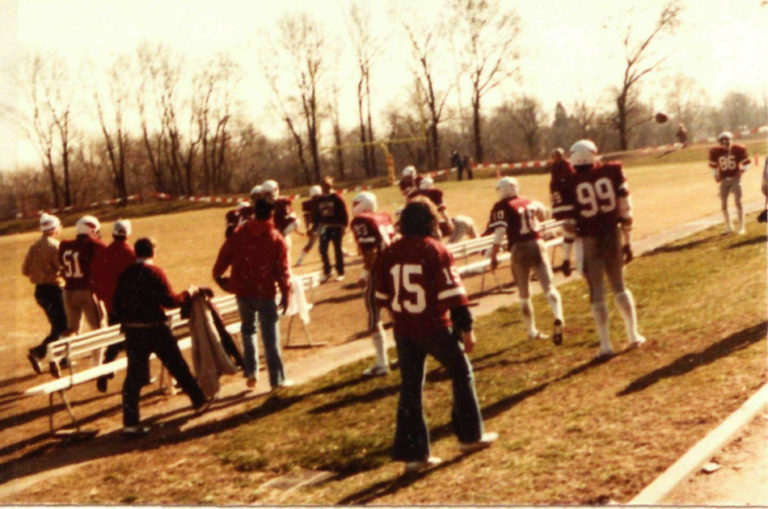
(337, 138)
(639, 61)
(49, 95)
(212, 102)
(366, 48)
(486, 35)
(294, 70)
(528, 118)
(426, 50)
(113, 129)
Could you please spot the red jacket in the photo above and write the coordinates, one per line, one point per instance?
(106, 267)
(259, 259)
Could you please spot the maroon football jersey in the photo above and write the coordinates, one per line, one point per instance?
(372, 230)
(518, 217)
(727, 161)
(75, 256)
(283, 214)
(409, 184)
(417, 280)
(330, 209)
(434, 195)
(592, 196)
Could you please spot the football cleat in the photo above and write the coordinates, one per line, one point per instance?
(604, 354)
(412, 467)
(485, 441)
(537, 335)
(557, 333)
(639, 340)
(251, 382)
(566, 268)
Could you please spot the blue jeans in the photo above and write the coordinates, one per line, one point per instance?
(267, 311)
(411, 433)
(50, 298)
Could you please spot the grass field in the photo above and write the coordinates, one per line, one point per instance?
(572, 430)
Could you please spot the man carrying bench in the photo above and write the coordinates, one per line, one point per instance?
(142, 295)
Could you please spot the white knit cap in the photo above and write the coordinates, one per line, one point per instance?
(49, 222)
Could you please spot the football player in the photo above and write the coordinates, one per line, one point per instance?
(410, 181)
(518, 218)
(561, 170)
(308, 211)
(331, 218)
(373, 232)
(453, 229)
(238, 216)
(728, 162)
(597, 199)
(417, 280)
(75, 256)
(284, 217)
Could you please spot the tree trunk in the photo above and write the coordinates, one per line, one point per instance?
(477, 138)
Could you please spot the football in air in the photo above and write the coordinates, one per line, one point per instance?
(661, 117)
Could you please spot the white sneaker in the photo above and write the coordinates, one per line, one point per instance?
(376, 370)
(728, 230)
(340, 277)
(537, 335)
(325, 278)
(418, 466)
(742, 231)
(485, 441)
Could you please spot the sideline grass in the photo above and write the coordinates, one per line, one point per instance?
(572, 430)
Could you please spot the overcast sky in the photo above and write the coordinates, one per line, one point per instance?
(570, 49)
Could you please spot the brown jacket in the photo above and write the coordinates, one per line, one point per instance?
(41, 265)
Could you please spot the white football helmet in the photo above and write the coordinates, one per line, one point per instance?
(583, 153)
(271, 187)
(315, 191)
(256, 191)
(426, 183)
(507, 187)
(243, 205)
(409, 171)
(121, 228)
(49, 222)
(87, 225)
(725, 135)
(364, 202)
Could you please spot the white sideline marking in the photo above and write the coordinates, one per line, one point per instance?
(700, 453)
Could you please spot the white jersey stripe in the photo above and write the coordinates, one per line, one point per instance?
(451, 292)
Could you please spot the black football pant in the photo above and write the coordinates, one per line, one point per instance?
(51, 299)
(332, 234)
(140, 343)
(411, 432)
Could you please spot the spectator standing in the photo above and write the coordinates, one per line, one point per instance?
(458, 163)
(728, 162)
(107, 266)
(416, 279)
(682, 134)
(258, 257)
(142, 295)
(331, 218)
(41, 266)
(76, 257)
